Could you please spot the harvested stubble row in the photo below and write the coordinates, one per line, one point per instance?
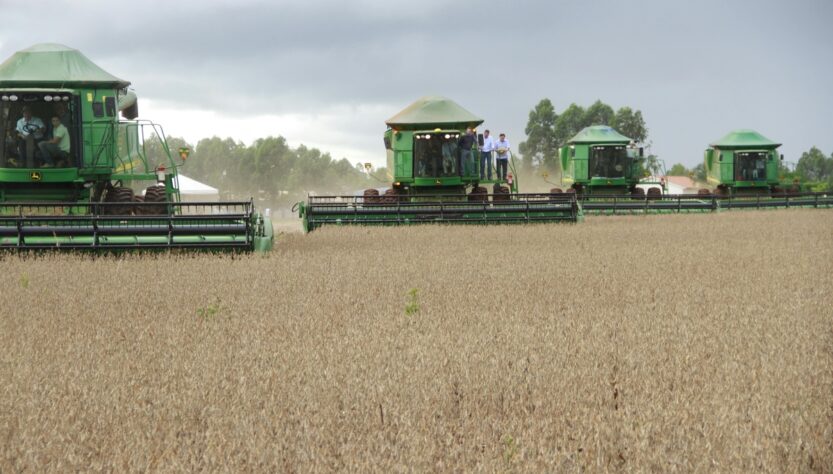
(697, 342)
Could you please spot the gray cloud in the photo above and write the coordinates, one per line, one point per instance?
(695, 69)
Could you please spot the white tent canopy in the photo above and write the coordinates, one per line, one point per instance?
(192, 190)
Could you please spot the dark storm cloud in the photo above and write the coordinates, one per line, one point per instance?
(695, 69)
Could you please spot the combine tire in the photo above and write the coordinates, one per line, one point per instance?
(119, 194)
(501, 194)
(703, 192)
(556, 191)
(654, 193)
(478, 194)
(638, 193)
(371, 196)
(154, 194)
(138, 210)
(391, 196)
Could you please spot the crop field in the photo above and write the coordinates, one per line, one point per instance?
(648, 343)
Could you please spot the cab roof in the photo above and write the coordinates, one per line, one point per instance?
(599, 134)
(49, 64)
(744, 138)
(433, 112)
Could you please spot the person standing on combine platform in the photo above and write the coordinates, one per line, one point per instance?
(486, 155)
(502, 147)
(466, 143)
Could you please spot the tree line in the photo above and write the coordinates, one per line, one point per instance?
(269, 169)
(547, 131)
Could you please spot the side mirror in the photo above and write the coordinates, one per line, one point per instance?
(184, 153)
(782, 157)
(480, 139)
(641, 152)
(387, 144)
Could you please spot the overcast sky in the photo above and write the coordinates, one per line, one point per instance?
(328, 73)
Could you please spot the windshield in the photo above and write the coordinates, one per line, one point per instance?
(435, 154)
(38, 130)
(609, 161)
(750, 166)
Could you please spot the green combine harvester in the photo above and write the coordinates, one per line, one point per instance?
(435, 181)
(73, 175)
(604, 168)
(743, 162)
(600, 160)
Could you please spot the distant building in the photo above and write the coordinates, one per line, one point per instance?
(673, 184)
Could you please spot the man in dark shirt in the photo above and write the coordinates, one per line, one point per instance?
(466, 144)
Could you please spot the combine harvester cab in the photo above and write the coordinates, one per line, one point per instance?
(601, 161)
(743, 162)
(96, 187)
(604, 168)
(435, 181)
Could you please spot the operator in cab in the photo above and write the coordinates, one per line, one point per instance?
(30, 130)
(56, 147)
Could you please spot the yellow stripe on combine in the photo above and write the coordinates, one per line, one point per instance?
(127, 166)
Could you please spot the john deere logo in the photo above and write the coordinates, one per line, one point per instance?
(36, 176)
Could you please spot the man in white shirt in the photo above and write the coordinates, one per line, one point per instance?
(30, 131)
(486, 155)
(502, 147)
(58, 145)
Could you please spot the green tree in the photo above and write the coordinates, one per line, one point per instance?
(630, 124)
(678, 170)
(156, 153)
(598, 114)
(541, 147)
(814, 166)
(653, 166)
(699, 172)
(569, 123)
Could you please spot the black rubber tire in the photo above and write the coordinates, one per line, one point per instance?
(391, 196)
(371, 196)
(478, 194)
(119, 194)
(154, 194)
(501, 194)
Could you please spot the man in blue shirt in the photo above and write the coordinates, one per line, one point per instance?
(502, 147)
(486, 155)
